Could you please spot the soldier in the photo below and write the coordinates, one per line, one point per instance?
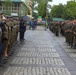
(9, 25)
(71, 35)
(5, 39)
(16, 24)
(74, 40)
(68, 34)
(57, 29)
(51, 25)
(54, 23)
(63, 24)
(1, 60)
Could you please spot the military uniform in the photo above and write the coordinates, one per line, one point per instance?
(66, 29)
(10, 29)
(9, 25)
(57, 29)
(5, 39)
(69, 34)
(63, 24)
(74, 40)
(0, 38)
(16, 29)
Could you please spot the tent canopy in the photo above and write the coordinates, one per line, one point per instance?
(14, 0)
(58, 19)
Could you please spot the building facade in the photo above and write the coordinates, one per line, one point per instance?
(29, 5)
(14, 9)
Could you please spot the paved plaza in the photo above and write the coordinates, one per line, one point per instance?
(41, 53)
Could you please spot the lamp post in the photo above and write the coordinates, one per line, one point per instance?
(46, 6)
(46, 13)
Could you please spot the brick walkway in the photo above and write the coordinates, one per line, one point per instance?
(42, 53)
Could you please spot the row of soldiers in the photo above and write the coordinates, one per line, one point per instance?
(55, 27)
(9, 29)
(68, 30)
(70, 34)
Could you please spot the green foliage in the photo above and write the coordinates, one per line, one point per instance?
(7, 13)
(24, 8)
(42, 7)
(35, 15)
(7, 4)
(67, 11)
(0, 3)
(70, 10)
(57, 10)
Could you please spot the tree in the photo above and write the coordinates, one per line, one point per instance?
(42, 6)
(7, 4)
(57, 10)
(35, 15)
(24, 8)
(0, 2)
(70, 10)
(67, 11)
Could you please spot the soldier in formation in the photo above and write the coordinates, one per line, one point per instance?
(67, 30)
(9, 28)
(55, 27)
(70, 34)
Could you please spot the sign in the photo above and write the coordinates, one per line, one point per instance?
(14, 14)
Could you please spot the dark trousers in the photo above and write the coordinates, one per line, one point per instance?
(21, 35)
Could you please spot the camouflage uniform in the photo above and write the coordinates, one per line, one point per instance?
(69, 34)
(74, 40)
(57, 29)
(63, 24)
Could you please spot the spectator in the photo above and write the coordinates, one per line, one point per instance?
(35, 23)
(31, 23)
(22, 29)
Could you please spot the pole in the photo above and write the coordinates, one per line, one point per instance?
(46, 13)
(30, 8)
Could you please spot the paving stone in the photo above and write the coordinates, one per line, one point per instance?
(72, 54)
(75, 60)
(70, 50)
(38, 61)
(38, 71)
(40, 50)
(38, 54)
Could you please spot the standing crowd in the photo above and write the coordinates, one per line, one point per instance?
(68, 30)
(33, 24)
(10, 27)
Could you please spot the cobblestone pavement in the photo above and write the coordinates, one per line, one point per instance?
(41, 53)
